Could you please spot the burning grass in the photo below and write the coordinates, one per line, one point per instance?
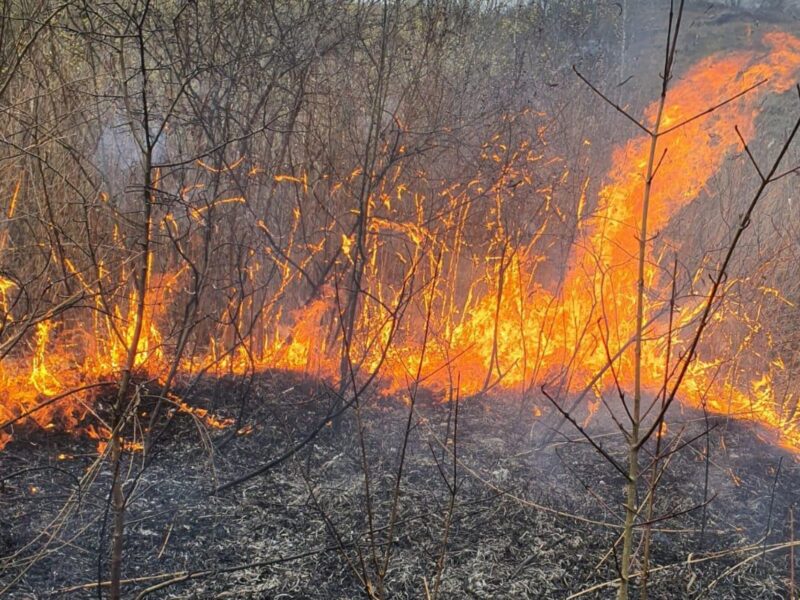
(499, 322)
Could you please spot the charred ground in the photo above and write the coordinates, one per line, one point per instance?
(521, 527)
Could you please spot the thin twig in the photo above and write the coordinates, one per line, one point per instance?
(613, 104)
(583, 432)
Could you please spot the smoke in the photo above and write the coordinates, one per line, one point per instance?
(118, 155)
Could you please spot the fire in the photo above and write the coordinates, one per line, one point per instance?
(41, 378)
(103, 434)
(495, 318)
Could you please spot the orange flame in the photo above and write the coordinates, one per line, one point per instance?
(499, 325)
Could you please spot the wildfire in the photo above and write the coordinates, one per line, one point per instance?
(505, 327)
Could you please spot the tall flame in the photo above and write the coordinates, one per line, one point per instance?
(505, 326)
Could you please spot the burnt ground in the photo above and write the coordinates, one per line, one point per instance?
(520, 527)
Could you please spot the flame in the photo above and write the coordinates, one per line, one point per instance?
(12, 205)
(41, 378)
(497, 315)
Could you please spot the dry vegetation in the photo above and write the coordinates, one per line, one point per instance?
(391, 299)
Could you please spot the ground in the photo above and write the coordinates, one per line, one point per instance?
(530, 521)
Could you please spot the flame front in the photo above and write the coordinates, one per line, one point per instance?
(510, 316)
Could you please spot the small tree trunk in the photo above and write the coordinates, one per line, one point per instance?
(121, 405)
(633, 438)
(118, 508)
(141, 282)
